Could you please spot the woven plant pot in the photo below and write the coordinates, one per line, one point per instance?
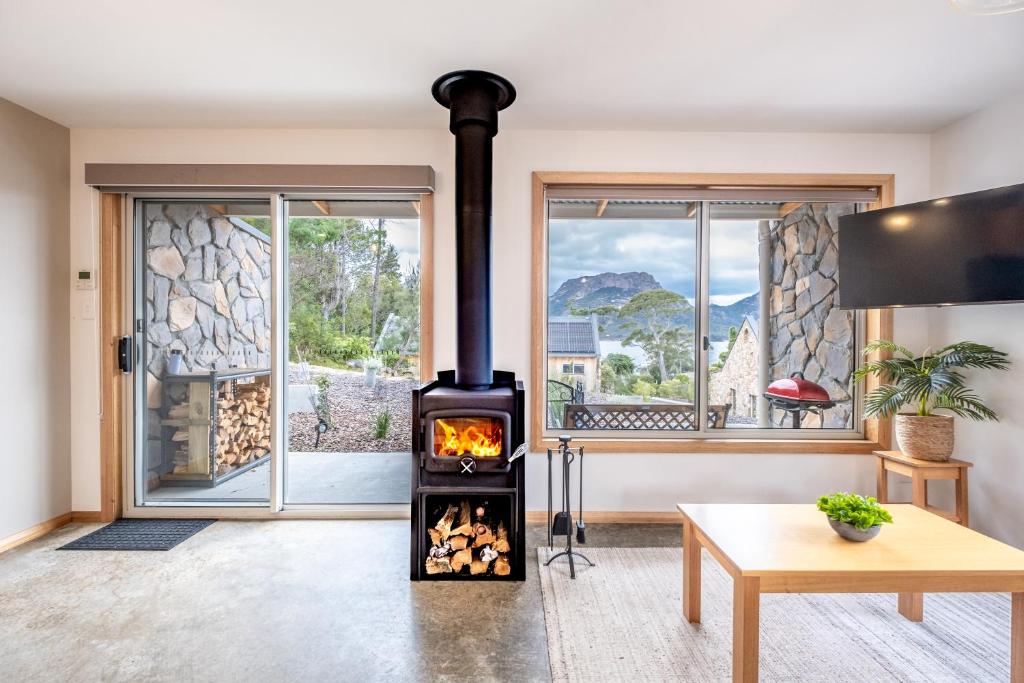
(925, 438)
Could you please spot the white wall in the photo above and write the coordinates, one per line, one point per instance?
(615, 482)
(34, 461)
(982, 151)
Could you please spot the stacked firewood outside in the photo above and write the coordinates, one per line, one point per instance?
(243, 427)
(465, 544)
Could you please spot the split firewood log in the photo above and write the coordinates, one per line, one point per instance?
(435, 536)
(459, 542)
(461, 559)
(483, 536)
(178, 412)
(465, 525)
(501, 541)
(445, 524)
(502, 566)
(479, 567)
(439, 565)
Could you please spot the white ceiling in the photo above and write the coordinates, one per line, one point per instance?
(830, 65)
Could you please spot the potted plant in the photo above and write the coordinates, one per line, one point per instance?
(929, 382)
(854, 517)
(370, 368)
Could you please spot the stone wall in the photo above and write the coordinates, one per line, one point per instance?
(808, 332)
(207, 289)
(739, 374)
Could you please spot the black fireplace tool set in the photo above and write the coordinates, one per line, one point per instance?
(562, 523)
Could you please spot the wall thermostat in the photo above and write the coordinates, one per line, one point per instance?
(84, 280)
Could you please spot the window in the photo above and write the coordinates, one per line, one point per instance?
(573, 368)
(698, 300)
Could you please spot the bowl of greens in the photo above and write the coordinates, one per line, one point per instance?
(854, 517)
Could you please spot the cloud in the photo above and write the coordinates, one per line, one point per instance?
(665, 249)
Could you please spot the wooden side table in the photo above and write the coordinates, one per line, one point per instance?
(920, 471)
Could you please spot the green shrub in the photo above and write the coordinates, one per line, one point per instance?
(679, 386)
(382, 425)
(391, 359)
(350, 347)
(851, 508)
(323, 409)
(643, 389)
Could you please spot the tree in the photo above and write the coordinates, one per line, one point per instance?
(620, 363)
(653, 322)
(378, 235)
(724, 355)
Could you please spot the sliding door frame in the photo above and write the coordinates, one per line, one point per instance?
(117, 422)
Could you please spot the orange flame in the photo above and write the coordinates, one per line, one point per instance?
(472, 435)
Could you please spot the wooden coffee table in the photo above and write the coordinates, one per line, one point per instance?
(792, 549)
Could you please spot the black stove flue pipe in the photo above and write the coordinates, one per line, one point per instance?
(474, 98)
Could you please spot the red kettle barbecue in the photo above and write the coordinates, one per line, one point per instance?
(797, 395)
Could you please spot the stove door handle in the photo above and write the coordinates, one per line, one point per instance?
(519, 452)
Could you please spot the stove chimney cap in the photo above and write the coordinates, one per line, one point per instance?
(442, 88)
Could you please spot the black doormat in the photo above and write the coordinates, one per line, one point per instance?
(140, 534)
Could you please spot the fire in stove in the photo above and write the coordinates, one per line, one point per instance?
(458, 436)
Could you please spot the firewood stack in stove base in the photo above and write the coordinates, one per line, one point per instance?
(468, 540)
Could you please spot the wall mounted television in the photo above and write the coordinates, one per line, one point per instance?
(967, 249)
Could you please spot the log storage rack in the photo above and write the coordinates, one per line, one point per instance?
(220, 407)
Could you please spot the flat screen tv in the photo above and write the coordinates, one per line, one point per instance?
(967, 249)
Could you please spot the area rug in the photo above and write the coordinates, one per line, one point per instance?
(140, 534)
(622, 620)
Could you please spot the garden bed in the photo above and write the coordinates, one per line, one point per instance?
(354, 409)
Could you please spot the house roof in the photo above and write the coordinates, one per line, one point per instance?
(750, 321)
(573, 336)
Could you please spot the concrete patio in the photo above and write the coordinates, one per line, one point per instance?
(311, 479)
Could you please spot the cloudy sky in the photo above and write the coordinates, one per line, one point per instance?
(664, 248)
(404, 233)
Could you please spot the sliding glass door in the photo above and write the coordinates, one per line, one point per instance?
(354, 348)
(202, 302)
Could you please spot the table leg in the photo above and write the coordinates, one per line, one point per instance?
(961, 497)
(911, 605)
(1017, 638)
(691, 573)
(746, 607)
(882, 486)
(919, 489)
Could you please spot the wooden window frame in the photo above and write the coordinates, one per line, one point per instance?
(878, 322)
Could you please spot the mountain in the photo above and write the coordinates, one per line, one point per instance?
(724, 317)
(604, 289)
(615, 289)
(608, 289)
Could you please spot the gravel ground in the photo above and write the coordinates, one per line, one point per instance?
(354, 409)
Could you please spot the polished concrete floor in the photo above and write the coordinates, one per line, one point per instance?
(285, 600)
(310, 479)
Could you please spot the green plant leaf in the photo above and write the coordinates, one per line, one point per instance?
(884, 345)
(860, 511)
(884, 401)
(972, 355)
(961, 401)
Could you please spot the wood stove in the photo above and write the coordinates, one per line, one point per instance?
(468, 516)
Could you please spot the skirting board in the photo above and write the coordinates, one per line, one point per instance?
(612, 517)
(43, 528)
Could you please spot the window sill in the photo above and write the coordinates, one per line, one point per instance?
(603, 444)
